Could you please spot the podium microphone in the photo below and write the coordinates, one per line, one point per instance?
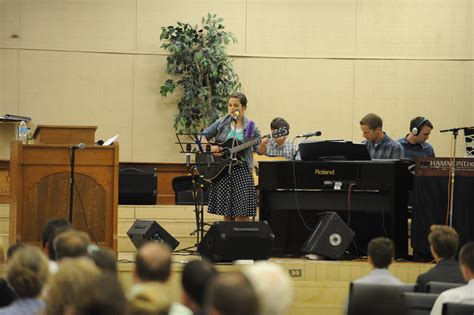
(208, 155)
(188, 154)
(311, 134)
(80, 146)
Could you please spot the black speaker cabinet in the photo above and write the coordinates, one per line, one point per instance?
(137, 185)
(228, 241)
(143, 231)
(184, 187)
(330, 237)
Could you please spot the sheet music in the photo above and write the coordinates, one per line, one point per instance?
(111, 140)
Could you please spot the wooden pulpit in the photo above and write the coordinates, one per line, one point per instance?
(40, 175)
(52, 134)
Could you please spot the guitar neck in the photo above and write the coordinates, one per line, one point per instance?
(245, 145)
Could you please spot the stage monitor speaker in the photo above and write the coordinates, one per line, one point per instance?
(227, 241)
(143, 231)
(137, 185)
(330, 237)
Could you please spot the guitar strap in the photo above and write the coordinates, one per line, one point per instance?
(250, 130)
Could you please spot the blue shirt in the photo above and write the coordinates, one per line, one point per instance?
(386, 149)
(221, 128)
(412, 151)
(23, 307)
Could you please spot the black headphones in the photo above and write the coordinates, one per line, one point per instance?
(416, 130)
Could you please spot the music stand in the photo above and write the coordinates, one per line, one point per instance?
(333, 150)
(191, 144)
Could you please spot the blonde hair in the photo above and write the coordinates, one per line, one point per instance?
(148, 299)
(66, 285)
(27, 271)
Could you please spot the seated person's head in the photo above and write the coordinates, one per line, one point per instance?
(279, 123)
(380, 252)
(272, 285)
(197, 275)
(67, 285)
(149, 299)
(103, 257)
(371, 127)
(231, 294)
(50, 229)
(27, 271)
(466, 260)
(102, 295)
(153, 263)
(444, 241)
(71, 243)
(13, 249)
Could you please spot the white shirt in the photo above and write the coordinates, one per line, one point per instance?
(464, 295)
(379, 276)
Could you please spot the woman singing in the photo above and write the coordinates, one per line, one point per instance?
(233, 195)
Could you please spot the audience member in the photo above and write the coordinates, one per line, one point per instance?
(231, 294)
(380, 256)
(71, 243)
(102, 295)
(7, 295)
(195, 279)
(444, 242)
(272, 285)
(153, 264)
(103, 257)
(50, 230)
(66, 286)
(149, 299)
(464, 294)
(13, 249)
(27, 272)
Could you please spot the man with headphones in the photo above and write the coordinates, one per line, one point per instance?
(414, 144)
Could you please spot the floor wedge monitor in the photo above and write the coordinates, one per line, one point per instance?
(143, 231)
(330, 238)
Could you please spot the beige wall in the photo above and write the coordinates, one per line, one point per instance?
(322, 64)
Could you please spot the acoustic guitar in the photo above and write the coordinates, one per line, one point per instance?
(212, 167)
(259, 158)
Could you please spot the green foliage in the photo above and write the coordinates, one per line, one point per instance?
(204, 71)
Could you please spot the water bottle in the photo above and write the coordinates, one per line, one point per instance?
(22, 131)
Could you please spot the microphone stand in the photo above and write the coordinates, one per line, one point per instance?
(231, 165)
(455, 132)
(71, 181)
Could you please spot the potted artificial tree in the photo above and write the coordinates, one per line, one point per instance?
(202, 69)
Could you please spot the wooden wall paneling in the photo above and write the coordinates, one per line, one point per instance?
(4, 181)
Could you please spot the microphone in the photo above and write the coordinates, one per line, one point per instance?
(208, 155)
(188, 154)
(311, 134)
(79, 146)
(235, 115)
